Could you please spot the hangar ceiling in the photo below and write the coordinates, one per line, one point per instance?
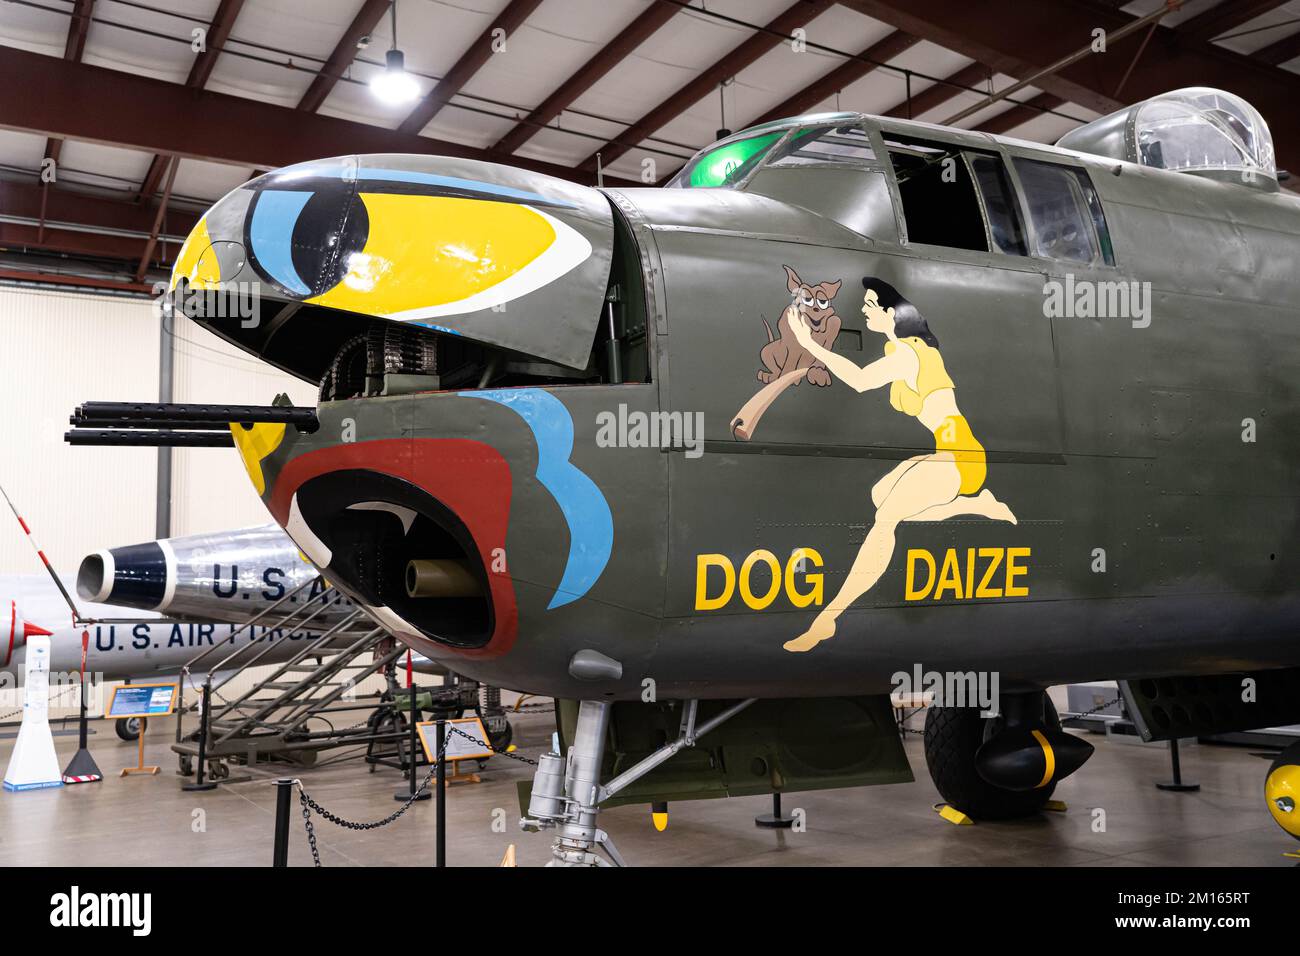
(147, 132)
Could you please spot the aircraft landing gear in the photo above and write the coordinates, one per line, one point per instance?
(129, 728)
(1004, 767)
(566, 794)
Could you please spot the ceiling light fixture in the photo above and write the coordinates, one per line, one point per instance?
(394, 84)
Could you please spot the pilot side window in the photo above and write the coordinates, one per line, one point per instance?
(957, 198)
(1069, 223)
(939, 202)
(999, 204)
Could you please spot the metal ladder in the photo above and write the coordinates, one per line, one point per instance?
(272, 716)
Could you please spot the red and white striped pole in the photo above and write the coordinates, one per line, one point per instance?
(41, 554)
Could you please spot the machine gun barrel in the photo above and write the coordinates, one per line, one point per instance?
(176, 425)
(157, 438)
(128, 414)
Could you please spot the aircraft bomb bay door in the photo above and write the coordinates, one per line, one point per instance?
(795, 480)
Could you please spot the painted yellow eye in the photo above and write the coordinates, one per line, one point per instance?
(439, 253)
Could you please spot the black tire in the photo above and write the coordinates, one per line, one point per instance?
(502, 740)
(128, 728)
(952, 735)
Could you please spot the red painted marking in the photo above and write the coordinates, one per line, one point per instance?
(471, 478)
(23, 523)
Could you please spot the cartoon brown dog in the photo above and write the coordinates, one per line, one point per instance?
(783, 353)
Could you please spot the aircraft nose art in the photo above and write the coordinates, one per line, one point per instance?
(501, 255)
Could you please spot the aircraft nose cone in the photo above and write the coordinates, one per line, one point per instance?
(18, 630)
(431, 241)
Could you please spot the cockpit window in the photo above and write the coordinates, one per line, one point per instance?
(1069, 223)
(727, 163)
(940, 204)
(828, 144)
(999, 203)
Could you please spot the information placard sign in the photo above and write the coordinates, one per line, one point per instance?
(142, 700)
(458, 748)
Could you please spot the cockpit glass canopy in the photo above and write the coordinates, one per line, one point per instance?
(1203, 129)
(822, 145)
(1197, 130)
(815, 139)
(726, 163)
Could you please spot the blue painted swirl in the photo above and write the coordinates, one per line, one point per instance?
(591, 525)
(271, 234)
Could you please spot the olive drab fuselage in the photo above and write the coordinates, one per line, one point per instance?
(1146, 471)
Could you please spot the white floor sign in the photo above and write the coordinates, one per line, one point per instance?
(34, 764)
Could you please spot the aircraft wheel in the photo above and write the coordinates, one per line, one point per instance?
(128, 728)
(1282, 790)
(952, 736)
(502, 740)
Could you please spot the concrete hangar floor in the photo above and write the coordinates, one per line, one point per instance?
(143, 821)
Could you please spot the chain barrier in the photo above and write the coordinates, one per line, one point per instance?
(309, 805)
(1099, 707)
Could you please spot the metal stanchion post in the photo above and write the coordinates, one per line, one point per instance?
(283, 794)
(82, 768)
(774, 820)
(411, 746)
(441, 856)
(1177, 785)
(199, 783)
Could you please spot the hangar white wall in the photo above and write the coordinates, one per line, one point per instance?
(60, 349)
(210, 490)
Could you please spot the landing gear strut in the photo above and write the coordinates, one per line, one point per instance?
(567, 794)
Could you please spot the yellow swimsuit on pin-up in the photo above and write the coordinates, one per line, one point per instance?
(953, 434)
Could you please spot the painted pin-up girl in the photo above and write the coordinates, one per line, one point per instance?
(930, 487)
